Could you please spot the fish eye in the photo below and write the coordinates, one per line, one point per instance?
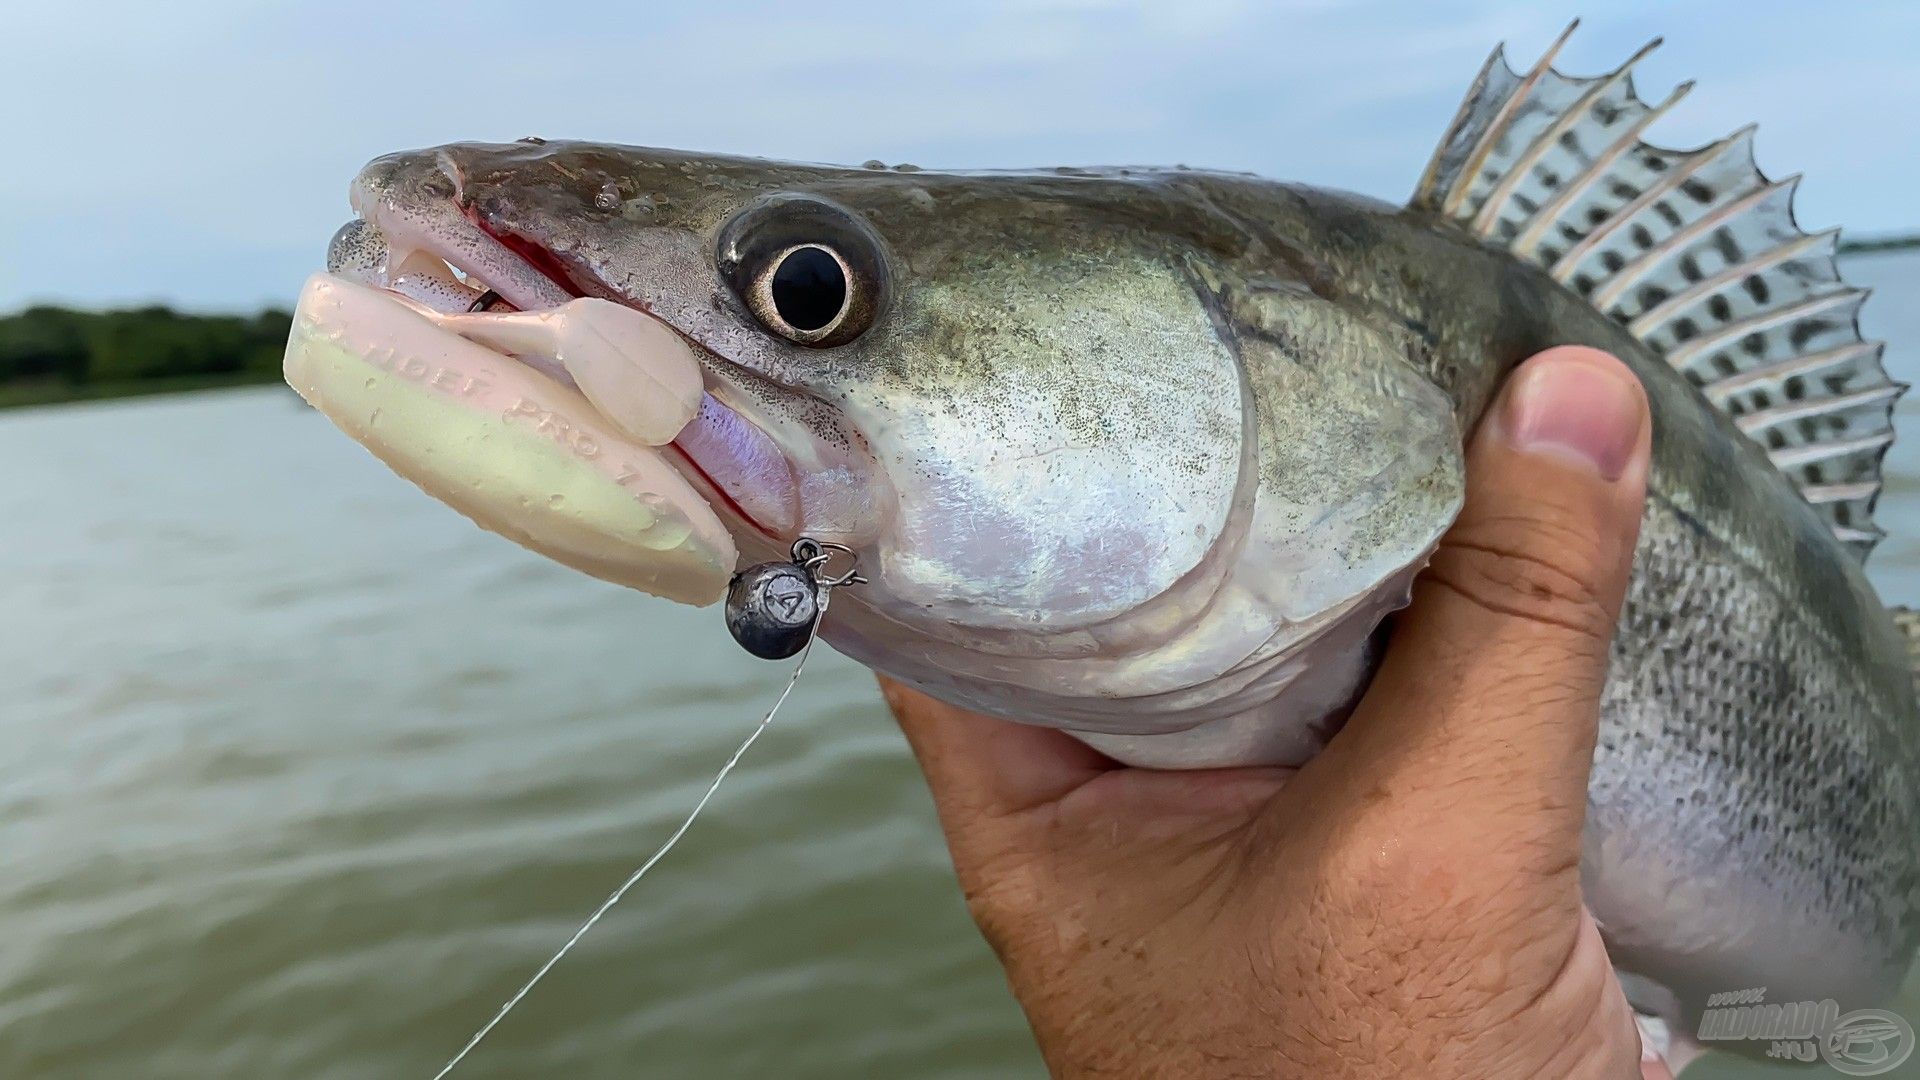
(803, 293)
(808, 270)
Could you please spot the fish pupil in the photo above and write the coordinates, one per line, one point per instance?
(809, 288)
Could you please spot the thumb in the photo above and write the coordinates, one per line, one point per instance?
(1486, 706)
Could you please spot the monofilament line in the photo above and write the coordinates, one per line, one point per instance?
(631, 881)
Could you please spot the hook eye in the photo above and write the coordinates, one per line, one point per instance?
(814, 556)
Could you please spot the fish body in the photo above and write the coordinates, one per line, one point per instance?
(1149, 454)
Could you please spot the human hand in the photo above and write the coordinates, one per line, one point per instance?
(1408, 903)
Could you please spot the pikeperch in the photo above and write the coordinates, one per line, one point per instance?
(1149, 454)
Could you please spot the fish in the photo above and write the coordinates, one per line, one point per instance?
(1151, 454)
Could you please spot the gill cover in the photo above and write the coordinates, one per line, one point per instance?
(1062, 428)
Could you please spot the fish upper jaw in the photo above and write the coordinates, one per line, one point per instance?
(774, 463)
(424, 210)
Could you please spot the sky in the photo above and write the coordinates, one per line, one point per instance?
(198, 152)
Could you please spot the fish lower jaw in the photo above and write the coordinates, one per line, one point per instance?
(435, 398)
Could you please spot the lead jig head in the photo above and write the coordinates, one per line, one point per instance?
(774, 608)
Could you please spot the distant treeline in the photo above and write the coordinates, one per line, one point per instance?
(1866, 244)
(58, 354)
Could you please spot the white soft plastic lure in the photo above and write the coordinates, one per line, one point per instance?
(573, 474)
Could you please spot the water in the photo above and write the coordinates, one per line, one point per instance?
(303, 774)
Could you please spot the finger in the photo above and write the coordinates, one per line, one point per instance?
(1487, 702)
(981, 769)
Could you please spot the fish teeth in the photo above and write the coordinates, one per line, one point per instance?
(428, 279)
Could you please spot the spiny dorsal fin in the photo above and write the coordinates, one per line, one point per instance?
(1695, 251)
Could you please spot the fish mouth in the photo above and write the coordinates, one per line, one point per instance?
(439, 251)
(676, 462)
(544, 417)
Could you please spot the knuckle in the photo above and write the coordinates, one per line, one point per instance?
(1528, 568)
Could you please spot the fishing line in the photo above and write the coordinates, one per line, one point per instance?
(761, 601)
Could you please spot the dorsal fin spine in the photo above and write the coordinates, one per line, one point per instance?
(1631, 274)
(1673, 178)
(1766, 260)
(1817, 452)
(1497, 198)
(1826, 493)
(1530, 237)
(1805, 364)
(1683, 355)
(1484, 148)
(1800, 410)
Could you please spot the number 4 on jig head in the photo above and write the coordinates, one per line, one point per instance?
(773, 611)
(772, 608)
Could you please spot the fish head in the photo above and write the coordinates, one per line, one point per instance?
(1094, 474)
(1004, 391)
